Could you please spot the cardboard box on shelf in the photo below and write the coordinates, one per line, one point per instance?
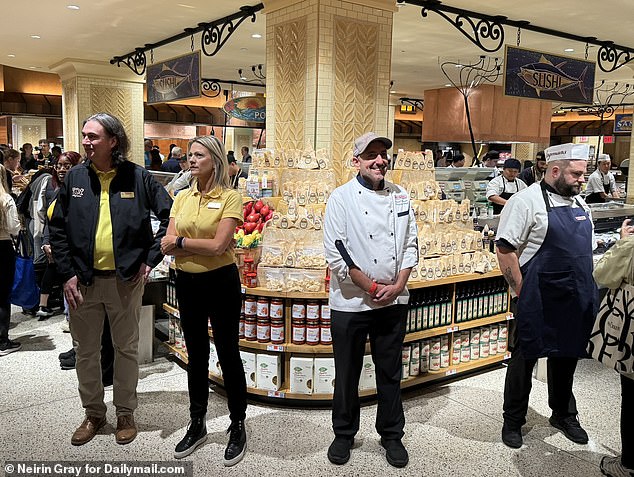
(368, 374)
(269, 372)
(250, 368)
(324, 376)
(214, 363)
(301, 375)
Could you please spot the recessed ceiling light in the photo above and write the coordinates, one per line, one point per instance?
(392, 91)
(448, 84)
(72, 7)
(256, 35)
(36, 37)
(33, 67)
(569, 50)
(458, 66)
(11, 55)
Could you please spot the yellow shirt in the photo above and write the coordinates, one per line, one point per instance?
(197, 215)
(104, 250)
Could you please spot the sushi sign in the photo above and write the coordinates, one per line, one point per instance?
(538, 75)
(174, 79)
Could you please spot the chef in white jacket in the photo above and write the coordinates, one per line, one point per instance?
(370, 244)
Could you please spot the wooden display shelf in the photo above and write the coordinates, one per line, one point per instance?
(451, 328)
(259, 291)
(467, 277)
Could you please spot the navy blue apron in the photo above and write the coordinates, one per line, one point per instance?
(557, 304)
(595, 197)
(497, 208)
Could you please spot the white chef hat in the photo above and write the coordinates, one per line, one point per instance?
(570, 152)
(604, 158)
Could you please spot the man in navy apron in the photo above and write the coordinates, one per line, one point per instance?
(501, 188)
(544, 247)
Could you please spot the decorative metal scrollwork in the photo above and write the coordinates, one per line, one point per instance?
(485, 29)
(135, 61)
(417, 103)
(610, 58)
(210, 88)
(218, 34)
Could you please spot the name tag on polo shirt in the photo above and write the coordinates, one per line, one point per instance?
(581, 217)
(214, 205)
(127, 195)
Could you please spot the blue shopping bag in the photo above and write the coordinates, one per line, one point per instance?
(25, 292)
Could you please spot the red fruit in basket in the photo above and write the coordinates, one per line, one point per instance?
(248, 207)
(254, 217)
(258, 205)
(264, 211)
(260, 226)
(249, 227)
(268, 216)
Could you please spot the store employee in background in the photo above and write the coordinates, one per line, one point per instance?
(544, 247)
(371, 249)
(534, 173)
(502, 187)
(601, 183)
(458, 161)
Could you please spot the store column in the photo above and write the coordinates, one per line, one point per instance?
(328, 73)
(93, 87)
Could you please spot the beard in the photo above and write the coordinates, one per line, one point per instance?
(564, 189)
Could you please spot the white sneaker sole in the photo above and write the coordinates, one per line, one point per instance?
(186, 452)
(236, 459)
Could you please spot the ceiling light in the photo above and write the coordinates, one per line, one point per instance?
(448, 84)
(72, 7)
(11, 55)
(392, 91)
(36, 37)
(33, 67)
(243, 49)
(256, 35)
(184, 5)
(569, 50)
(458, 66)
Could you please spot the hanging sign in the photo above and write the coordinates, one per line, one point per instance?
(174, 79)
(623, 123)
(539, 75)
(247, 108)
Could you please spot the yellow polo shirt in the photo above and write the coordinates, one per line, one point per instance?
(197, 215)
(104, 250)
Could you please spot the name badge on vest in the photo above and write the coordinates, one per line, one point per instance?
(581, 217)
(214, 205)
(127, 195)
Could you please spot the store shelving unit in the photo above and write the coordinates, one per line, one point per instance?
(288, 349)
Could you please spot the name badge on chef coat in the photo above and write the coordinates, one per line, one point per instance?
(127, 195)
(581, 217)
(214, 205)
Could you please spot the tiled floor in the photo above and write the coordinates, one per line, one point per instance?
(452, 429)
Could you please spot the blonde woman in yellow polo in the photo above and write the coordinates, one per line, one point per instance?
(200, 235)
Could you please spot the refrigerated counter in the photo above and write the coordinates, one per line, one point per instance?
(610, 215)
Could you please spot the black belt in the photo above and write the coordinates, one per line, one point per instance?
(104, 273)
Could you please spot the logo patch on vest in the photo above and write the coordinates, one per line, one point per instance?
(78, 192)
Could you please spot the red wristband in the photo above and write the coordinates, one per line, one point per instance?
(372, 289)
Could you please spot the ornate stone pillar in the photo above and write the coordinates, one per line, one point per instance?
(93, 87)
(328, 72)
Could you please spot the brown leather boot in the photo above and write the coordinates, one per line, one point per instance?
(126, 429)
(87, 430)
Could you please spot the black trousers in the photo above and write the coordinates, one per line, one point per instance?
(386, 327)
(627, 422)
(215, 296)
(7, 271)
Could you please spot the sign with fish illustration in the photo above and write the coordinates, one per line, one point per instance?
(247, 108)
(538, 75)
(174, 79)
(623, 123)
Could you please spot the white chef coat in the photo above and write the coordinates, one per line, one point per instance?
(524, 219)
(500, 184)
(378, 229)
(596, 181)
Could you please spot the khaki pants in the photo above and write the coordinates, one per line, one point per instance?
(120, 302)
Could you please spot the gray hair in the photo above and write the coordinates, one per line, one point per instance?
(217, 151)
(115, 129)
(177, 151)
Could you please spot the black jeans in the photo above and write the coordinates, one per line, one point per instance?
(215, 296)
(7, 271)
(386, 327)
(627, 422)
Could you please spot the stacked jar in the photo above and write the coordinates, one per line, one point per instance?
(298, 322)
(250, 318)
(242, 321)
(312, 322)
(263, 330)
(325, 335)
(250, 276)
(276, 314)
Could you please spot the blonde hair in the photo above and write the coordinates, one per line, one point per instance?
(218, 156)
(4, 192)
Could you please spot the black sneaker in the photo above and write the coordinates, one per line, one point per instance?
(395, 452)
(195, 437)
(237, 445)
(30, 311)
(512, 435)
(68, 363)
(570, 427)
(67, 354)
(339, 450)
(44, 313)
(9, 347)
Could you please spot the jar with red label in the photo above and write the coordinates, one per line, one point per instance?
(250, 306)
(325, 311)
(298, 310)
(251, 328)
(251, 280)
(276, 309)
(249, 265)
(298, 331)
(241, 327)
(325, 336)
(312, 332)
(312, 310)
(263, 330)
(277, 331)
(262, 308)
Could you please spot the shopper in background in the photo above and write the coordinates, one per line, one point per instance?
(182, 180)
(235, 171)
(9, 227)
(246, 157)
(544, 247)
(104, 248)
(371, 249)
(458, 160)
(501, 188)
(15, 177)
(535, 173)
(49, 276)
(200, 236)
(617, 266)
(26, 156)
(44, 156)
(147, 147)
(601, 183)
(490, 159)
(172, 164)
(156, 162)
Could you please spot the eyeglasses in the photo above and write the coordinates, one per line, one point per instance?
(370, 156)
